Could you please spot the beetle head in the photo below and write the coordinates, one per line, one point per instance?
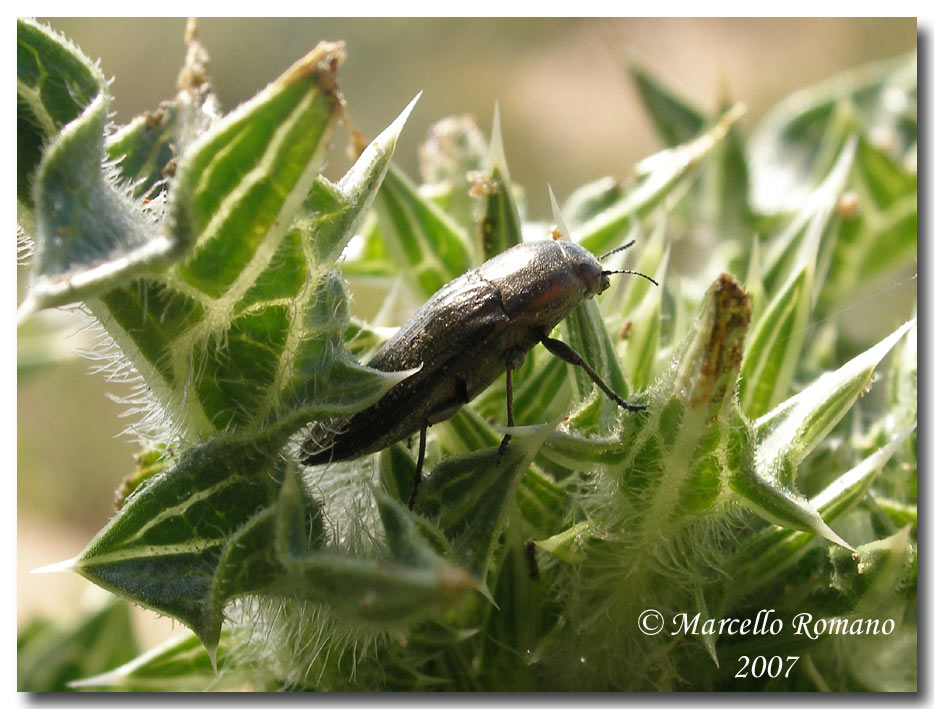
(594, 278)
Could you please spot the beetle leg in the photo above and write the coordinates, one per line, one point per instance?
(565, 352)
(422, 436)
(513, 361)
(510, 421)
(530, 558)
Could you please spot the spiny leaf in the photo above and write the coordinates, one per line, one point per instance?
(514, 623)
(89, 235)
(334, 224)
(775, 345)
(726, 184)
(778, 337)
(765, 493)
(411, 584)
(55, 83)
(454, 149)
(875, 572)
(590, 200)
(656, 178)
(771, 551)
(500, 227)
(270, 341)
(542, 501)
(180, 664)
(766, 478)
(145, 152)
(51, 655)
(879, 229)
(164, 549)
(573, 450)
(902, 392)
(810, 234)
(785, 147)
(675, 121)
(586, 333)
(566, 545)
(239, 187)
(641, 309)
(677, 454)
(467, 431)
(791, 430)
(426, 244)
(470, 495)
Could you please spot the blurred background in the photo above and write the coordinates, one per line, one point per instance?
(570, 114)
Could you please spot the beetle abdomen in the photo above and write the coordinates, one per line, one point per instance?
(450, 339)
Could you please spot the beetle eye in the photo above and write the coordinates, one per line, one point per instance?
(592, 277)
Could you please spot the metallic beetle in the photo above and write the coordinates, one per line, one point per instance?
(463, 338)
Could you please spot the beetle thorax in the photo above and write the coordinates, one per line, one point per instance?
(542, 282)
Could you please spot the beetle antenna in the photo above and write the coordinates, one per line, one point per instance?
(617, 250)
(635, 273)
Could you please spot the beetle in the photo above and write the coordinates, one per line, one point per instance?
(471, 331)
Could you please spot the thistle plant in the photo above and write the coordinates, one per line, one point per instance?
(608, 549)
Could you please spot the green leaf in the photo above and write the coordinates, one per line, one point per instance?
(726, 186)
(411, 539)
(542, 502)
(879, 230)
(900, 514)
(145, 152)
(540, 390)
(875, 572)
(791, 430)
(589, 200)
(239, 187)
(766, 478)
(902, 392)
(89, 235)
(754, 285)
(471, 496)
(180, 664)
(586, 334)
(772, 551)
(467, 431)
(428, 247)
(264, 339)
(810, 235)
(657, 177)
(576, 451)
(779, 336)
(454, 149)
(165, 549)
(513, 624)
(500, 226)
(335, 212)
(51, 656)
(411, 584)
(775, 345)
(671, 460)
(566, 545)
(396, 468)
(55, 83)
(641, 307)
(785, 149)
(674, 119)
